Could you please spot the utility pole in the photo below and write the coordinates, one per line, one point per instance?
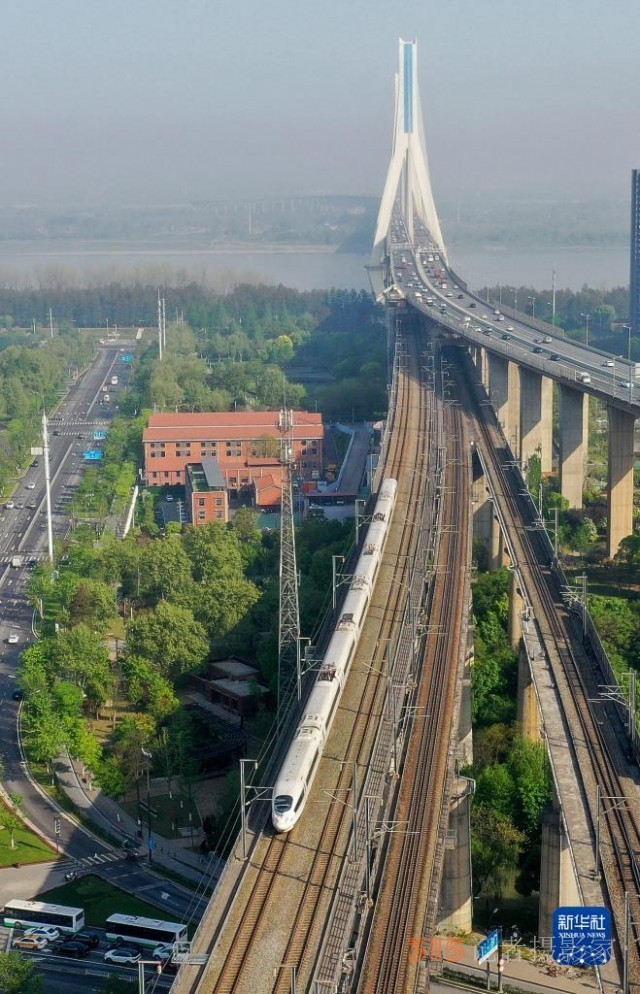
(164, 324)
(50, 323)
(289, 614)
(159, 326)
(553, 296)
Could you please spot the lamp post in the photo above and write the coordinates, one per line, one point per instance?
(148, 756)
(358, 503)
(334, 579)
(141, 965)
(243, 802)
(628, 328)
(293, 970)
(532, 301)
(587, 318)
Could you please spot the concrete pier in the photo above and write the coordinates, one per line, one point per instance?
(573, 443)
(514, 621)
(558, 885)
(536, 412)
(620, 500)
(528, 712)
(456, 903)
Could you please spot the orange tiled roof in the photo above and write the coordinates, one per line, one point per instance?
(228, 424)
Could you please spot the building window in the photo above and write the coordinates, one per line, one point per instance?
(166, 474)
(218, 501)
(201, 502)
(202, 515)
(219, 514)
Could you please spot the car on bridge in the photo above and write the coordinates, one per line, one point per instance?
(537, 350)
(554, 357)
(609, 362)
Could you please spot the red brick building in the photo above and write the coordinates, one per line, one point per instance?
(205, 493)
(245, 445)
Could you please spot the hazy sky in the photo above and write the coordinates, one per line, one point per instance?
(111, 101)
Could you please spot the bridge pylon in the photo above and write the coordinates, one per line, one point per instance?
(408, 180)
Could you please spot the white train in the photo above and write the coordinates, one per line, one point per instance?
(303, 757)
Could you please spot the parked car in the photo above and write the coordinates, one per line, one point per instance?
(17, 695)
(91, 939)
(122, 955)
(31, 943)
(163, 951)
(49, 932)
(13, 639)
(71, 947)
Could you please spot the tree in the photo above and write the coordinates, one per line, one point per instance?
(628, 553)
(495, 847)
(496, 789)
(10, 817)
(170, 637)
(527, 762)
(18, 975)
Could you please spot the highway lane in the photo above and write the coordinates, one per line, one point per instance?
(473, 318)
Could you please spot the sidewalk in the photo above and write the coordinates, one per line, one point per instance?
(458, 960)
(105, 813)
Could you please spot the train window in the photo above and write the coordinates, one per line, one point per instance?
(282, 804)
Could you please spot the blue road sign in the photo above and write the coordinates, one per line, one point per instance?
(99, 436)
(92, 455)
(488, 946)
(581, 936)
(126, 357)
(152, 843)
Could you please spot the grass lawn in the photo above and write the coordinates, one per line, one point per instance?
(29, 847)
(99, 900)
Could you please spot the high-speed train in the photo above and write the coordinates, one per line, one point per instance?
(303, 757)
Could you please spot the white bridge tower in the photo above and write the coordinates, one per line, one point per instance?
(408, 176)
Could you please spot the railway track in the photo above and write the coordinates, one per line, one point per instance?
(415, 848)
(594, 729)
(291, 872)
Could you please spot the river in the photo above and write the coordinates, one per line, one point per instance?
(304, 269)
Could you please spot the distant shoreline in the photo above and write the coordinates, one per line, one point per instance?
(27, 249)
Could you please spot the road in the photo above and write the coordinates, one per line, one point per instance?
(23, 531)
(518, 338)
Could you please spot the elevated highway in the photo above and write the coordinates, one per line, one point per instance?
(519, 360)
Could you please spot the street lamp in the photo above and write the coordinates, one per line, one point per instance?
(243, 803)
(293, 969)
(141, 965)
(148, 756)
(532, 301)
(334, 578)
(587, 318)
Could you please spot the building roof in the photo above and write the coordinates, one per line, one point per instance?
(268, 491)
(206, 475)
(235, 669)
(212, 473)
(237, 688)
(232, 424)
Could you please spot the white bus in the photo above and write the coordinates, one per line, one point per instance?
(145, 931)
(29, 914)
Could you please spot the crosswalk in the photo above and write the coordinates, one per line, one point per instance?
(95, 860)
